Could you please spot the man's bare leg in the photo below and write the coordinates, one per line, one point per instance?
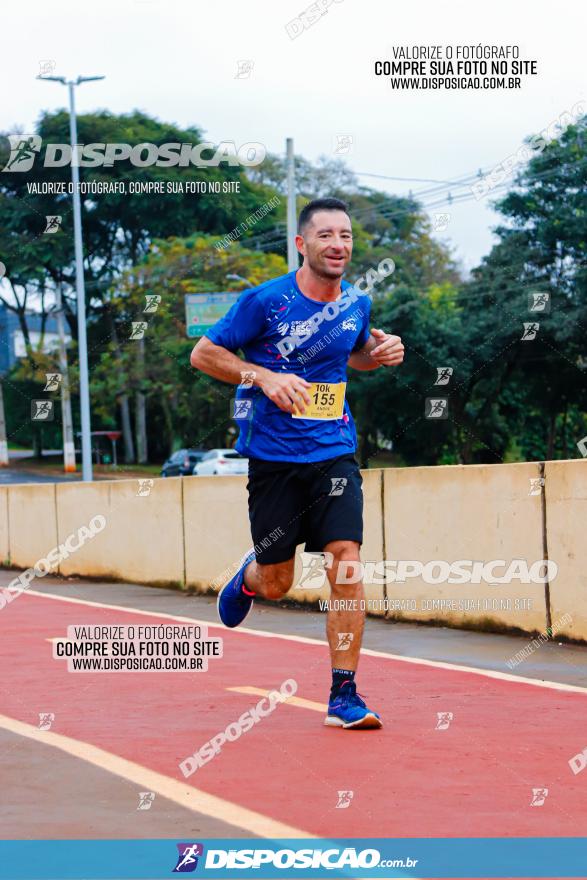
(344, 627)
(346, 614)
(270, 581)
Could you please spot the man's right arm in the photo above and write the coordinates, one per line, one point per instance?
(283, 389)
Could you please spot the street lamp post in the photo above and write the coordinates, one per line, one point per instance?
(84, 382)
(292, 251)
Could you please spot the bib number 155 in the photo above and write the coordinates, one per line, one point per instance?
(327, 401)
(324, 396)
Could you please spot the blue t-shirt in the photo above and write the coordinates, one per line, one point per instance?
(280, 328)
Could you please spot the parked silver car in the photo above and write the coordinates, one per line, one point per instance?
(222, 462)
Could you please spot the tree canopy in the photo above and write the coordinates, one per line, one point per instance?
(512, 335)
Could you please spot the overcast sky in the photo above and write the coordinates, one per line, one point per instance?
(178, 62)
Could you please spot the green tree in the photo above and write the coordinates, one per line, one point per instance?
(547, 214)
(118, 227)
(185, 407)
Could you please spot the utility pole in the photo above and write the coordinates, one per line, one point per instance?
(141, 407)
(292, 251)
(84, 381)
(3, 438)
(67, 420)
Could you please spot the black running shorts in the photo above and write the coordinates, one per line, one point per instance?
(291, 504)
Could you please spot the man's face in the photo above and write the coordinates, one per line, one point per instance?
(327, 243)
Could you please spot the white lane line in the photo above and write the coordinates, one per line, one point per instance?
(186, 796)
(418, 661)
(290, 701)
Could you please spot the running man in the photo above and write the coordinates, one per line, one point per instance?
(298, 333)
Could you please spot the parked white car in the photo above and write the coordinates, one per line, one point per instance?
(222, 462)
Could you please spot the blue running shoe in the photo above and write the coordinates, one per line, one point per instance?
(347, 709)
(233, 604)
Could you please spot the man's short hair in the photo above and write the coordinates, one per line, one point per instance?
(315, 205)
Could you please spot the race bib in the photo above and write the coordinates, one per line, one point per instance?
(327, 402)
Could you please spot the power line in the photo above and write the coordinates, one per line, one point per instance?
(466, 179)
(404, 179)
(459, 198)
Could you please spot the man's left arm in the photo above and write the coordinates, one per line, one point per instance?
(381, 350)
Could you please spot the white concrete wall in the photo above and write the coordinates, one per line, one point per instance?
(477, 513)
(192, 531)
(566, 524)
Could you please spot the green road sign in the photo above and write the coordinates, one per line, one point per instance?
(202, 310)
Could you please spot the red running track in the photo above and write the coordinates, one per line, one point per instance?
(409, 779)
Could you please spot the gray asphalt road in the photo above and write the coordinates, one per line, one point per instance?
(17, 475)
(552, 661)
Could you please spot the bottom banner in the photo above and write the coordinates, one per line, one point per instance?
(228, 858)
